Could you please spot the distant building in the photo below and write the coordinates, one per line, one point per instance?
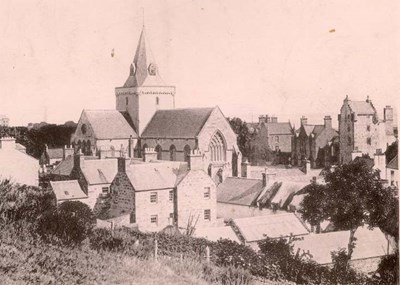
(16, 165)
(52, 156)
(361, 130)
(272, 135)
(4, 121)
(315, 143)
(145, 117)
(392, 172)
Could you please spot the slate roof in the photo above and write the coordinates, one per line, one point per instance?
(216, 233)
(109, 124)
(274, 226)
(64, 168)
(279, 128)
(240, 191)
(318, 129)
(100, 171)
(370, 243)
(362, 107)
(286, 191)
(143, 58)
(177, 123)
(67, 190)
(394, 163)
(55, 153)
(296, 201)
(156, 175)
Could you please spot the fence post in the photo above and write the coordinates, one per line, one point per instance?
(208, 254)
(155, 250)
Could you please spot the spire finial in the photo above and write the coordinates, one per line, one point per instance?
(143, 17)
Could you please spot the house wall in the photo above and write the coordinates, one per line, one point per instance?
(122, 196)
(191, 201)
(145, 209)
(284, 144)
(392, 175)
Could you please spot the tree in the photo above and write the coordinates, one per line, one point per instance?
(391, 151)
(244, 136)
(71, 223)
(354, 196)
(313, 205)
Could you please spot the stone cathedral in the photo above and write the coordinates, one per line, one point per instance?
(145, 117)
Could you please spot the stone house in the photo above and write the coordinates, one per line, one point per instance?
(313, 143)
(68, 190)
(155, 194)
(360, 128)
(16, 165)
(271, 134)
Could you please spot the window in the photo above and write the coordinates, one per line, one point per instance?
(157, 101)
(153, 197)
(117, 181)
(158, 150)
(349, 140)
(186, 153)
(104, 190)
(171, 215)
(368, 128)
(207, 192)
(277, 139)
(154, 219)
(348, 129)
(207, 215)
(217, 148)
(369, 141)
(171, 195)
(126, 101)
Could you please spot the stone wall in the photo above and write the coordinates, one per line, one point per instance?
(191, 201)
(122, 196)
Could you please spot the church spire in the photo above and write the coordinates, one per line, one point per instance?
(143, 70)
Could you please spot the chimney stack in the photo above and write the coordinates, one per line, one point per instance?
(67, 151)
(149, 155)
(328, 122)
(303, 121)
(78, 160)
(246, 168)
(274, 119)
(122, 164)
(262, 119)
(388, 114)
(196, 160)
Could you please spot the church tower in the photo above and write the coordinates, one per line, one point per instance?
(144, 91)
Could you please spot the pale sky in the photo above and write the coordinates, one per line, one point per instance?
(248, 57)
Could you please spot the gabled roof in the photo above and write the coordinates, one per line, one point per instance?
(308, 129)
(240, 191)
(67, 190)
(370, 243)
(279, 128)
(177, 123)
(362, 107)
(318, 129)
(100, 171)
(64, 168)
(394, 163)
(160, 175)
(141, 75)
(216, 233)
(273, 226)
(109, 124)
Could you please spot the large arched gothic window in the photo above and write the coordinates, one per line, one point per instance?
(158, 150)
(186, 153)
(217, 148)
(172, 153)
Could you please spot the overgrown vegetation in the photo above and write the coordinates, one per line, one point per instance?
(44, 243)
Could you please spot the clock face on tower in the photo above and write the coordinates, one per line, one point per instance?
(152, 69)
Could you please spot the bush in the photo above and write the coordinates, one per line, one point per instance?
(22, 203)
(69, 224)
